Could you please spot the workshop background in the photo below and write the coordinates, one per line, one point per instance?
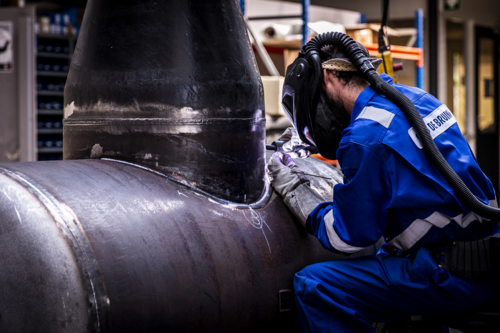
(449, 48)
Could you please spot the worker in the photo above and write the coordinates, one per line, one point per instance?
(390, 190)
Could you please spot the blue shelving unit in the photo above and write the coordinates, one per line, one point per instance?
(419, 25)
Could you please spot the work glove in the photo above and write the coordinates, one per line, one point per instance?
(293, 142)
(293, 185)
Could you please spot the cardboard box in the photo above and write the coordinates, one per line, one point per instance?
(273, 87)
(367, 34)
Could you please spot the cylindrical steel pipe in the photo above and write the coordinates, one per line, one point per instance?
(99, 246)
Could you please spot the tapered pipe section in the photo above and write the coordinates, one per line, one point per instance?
(171, 85)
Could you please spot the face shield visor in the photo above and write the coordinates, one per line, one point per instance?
(305, 105)
(296, 101)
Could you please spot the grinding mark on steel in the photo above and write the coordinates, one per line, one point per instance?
(258, 222)
(5, 193)
(18, 216)
(182, 193)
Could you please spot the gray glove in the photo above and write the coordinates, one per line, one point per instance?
(293, 141)
(291, 183)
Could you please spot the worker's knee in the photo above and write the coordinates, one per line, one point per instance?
(300, 282)
(309, 281)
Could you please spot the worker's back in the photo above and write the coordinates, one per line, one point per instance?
(421, 206)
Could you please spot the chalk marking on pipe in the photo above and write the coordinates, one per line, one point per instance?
(258, 223)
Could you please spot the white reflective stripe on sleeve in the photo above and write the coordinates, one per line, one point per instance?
(381, 116)
(334, 239)
(437, 122)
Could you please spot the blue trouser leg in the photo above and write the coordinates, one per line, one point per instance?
(348, 295)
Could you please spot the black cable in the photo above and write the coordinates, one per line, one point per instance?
(382, 46)
(354, 53)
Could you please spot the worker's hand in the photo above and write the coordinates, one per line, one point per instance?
(293, 185)
(285, 174)
(293, 142)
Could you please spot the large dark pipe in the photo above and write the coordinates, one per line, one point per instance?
(102, 246)
(172, 85)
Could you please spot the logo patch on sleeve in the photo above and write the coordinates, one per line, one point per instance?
(437, 122)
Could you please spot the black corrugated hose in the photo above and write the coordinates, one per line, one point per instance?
(352, 50)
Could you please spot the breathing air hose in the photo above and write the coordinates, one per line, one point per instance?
(352, 50)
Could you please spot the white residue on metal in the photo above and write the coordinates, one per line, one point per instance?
(148, 156)
(68, 109)
(216, 212)
(96, 151)
(182, 193)
(212, 201)
(225, 206)
(257, 222)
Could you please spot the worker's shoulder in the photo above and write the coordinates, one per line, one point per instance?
(380, 116)
(372, 121)
(420, 98)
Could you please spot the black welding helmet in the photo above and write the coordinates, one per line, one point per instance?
(305, 102)
(299, 99)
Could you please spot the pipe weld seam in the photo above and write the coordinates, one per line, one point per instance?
(78, 242)
(162, 121)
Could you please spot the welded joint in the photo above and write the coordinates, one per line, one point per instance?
(261, 202)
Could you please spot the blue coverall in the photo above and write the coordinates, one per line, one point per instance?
(391, 189)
